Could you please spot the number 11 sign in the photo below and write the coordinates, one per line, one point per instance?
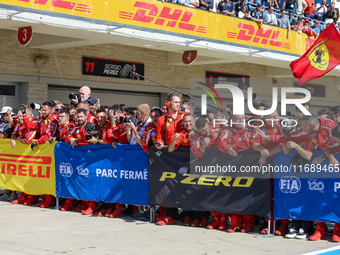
(25, 35)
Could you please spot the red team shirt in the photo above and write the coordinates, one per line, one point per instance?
(27, 134)
(47, 127)
(173, 126)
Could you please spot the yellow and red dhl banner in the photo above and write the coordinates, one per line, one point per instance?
(21, 169)
(177, 19)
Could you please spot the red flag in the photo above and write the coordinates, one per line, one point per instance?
(320, 58)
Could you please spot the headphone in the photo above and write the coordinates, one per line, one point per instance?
(168, 102)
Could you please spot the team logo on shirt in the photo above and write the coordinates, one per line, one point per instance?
(185, 140)
(318, 56)
(324, 132)
(314, 140)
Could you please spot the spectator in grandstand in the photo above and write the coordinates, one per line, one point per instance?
(206, 5)
(323, 113)
(299, 26)
(300, 7)
(238, 7)
(292, 20)
(226, 7)
(289, 5)
(308, 10)
(320, 10)
(283, 21)
(335, 114)
(307, 29)
(257, 14)
(171, 122)
(330, 14)
(269, 17)
(215, 5)
(243, 12)
(194, 3)
(279, 4)
(182, 2)
(316, 28)
(85, 94)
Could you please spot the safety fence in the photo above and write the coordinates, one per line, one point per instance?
(216, 182)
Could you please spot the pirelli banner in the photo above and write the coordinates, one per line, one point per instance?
(27, 171)
(216, 182)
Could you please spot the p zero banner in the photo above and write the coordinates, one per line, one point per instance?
(159, 16)
(310, 192)
(22, 169)
(102, 173)
(178, 180)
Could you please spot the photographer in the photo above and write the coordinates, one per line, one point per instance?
(84, 94)
(5, 127)
(119, 129)
(47, 123)
(171, 122)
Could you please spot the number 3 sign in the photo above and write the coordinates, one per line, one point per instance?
(25, 35)
(189, 57)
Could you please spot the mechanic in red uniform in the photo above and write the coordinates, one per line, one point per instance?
(235, 138)
(25, 136)
(167, 125)
(47, 124)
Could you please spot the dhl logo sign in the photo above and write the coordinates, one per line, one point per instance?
(68, 5)
(259, 36)
(168, 17)
(23, 165)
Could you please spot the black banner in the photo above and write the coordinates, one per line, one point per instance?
(241, 81)
(183, 181)
(316, 90)
(112, 68)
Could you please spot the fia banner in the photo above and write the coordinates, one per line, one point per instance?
(103, 173)
(216, 182)
(306, 192)
(25, 170)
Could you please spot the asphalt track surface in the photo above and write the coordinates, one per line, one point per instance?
(33, 230)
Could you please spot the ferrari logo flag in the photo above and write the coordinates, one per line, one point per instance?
(320, 58)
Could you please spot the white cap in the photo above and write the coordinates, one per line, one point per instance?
(5, 109)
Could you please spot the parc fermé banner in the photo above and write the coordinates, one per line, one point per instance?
(310, 192)
(102, 173)
(172, 19)
(22, 169)
(179, 180)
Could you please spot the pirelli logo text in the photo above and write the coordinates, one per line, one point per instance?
(23, 165)
(166, 17)
(209, 180)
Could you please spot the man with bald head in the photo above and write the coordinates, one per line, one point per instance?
(143, 119)
(85, 94)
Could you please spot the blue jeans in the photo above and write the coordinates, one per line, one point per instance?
(307, 15)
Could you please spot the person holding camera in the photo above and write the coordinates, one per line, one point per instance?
(119, 129)
(320, 11)
(84, 94)
(47, 125)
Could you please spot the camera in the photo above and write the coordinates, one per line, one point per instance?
(126, 119)
(75, 96)
(36, 106)
(90, 130)
(286, 126)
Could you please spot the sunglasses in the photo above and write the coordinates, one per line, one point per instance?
(58, 109)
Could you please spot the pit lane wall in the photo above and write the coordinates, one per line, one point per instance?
(156, 16)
